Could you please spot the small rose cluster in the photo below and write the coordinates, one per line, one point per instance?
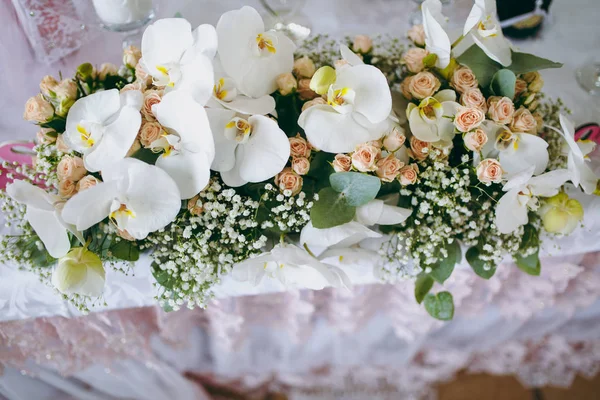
(289, 180)
(298, 81)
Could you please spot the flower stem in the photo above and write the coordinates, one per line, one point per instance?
(457, 41)
(308, 250)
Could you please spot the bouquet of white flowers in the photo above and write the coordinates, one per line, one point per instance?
(228, 150)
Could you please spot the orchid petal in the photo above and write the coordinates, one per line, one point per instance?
(569, 135)
(445, 95)
(510, 213)
(351, 57)
(340, 236)
(436, 38)
(190, 171)
(531, 150)
(197, 78)
(475, 16)
(50, 231)
(368, 214)
(421, 129)
(164, 42)
(246, 105)
(232, 177)
(90, 206)
(224, 148)
(548, 184)
(30, 195)
(495, 47)
(205, 40)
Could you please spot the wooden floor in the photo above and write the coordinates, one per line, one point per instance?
(487, 387)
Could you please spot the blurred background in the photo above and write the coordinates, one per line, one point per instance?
(513, 337)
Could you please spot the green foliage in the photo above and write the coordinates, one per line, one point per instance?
(503, 83)
(125, 250)
(478, 265)
(163, 278)
(523, 63)
(430, 60)
(444, 268)
(423, 285)
(440, 306)
(57, 123)
(530, 265)
(332, 209)
(146, 155)
(357, 188)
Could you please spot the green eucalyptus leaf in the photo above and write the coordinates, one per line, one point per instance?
(530, 265)
(523, 63)
(478, 265)
(440, 306)
(332, 209)
(503, 83)
(125, 250)
(445, 267)
(423, 285)
(482, 66)
(357, 188)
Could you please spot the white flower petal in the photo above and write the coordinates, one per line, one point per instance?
(340, 236)
(548, 184)
(30, 195)
(421, 129)
(569, 135)
(205, 40)
(266, 152)
(251, 270)
(330, 131)
(51, 232)
(132, 98)
(350, 56)
(475, 16)
(232, 177)
(531, 150)
(368, 214)
(90, 206)
(246, 105)
(436, 38)
(446, 95)
(224, 148)
(190, 171)
(495, 47)
(392, 215)
(197, 78)
(164, 42)
(373, 98)
(510, 214)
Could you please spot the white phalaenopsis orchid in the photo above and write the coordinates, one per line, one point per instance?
(178, 58)
(227, 95)
(292, 266)
(251, 56)
(485, 29)
(522, 193)
(103, 126)
(358, 100)
(187, 147)
(431, 120)
(79, 272)
(436, 39)
(137, 197)
(577, 158)
(43, 212)
(248, 149)
(516, 151)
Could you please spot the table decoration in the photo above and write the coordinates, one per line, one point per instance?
(227, 150)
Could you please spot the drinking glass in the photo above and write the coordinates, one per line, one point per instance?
(286, 16)
(588, 76)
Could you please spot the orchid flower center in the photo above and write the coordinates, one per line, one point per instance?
(266, 44)
(89, 133)
(342, 99)
(487, 27)
(169, 75)
(430, 110)
(238, 129)
(526, 198)
(120, 213)
(225, 89)
(169, 144)
(505, 139)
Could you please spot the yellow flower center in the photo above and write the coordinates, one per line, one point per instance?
(265, 44)
(337, 98)
(123, 211)
(163, 70)
(219, 90)
(86, 136)
(242, 127)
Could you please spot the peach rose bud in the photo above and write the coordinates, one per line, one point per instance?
(463, 78)
(364, 158)
(142, 76)
(289, 180)
(71, 168)
(342, 163)
(131, 56)
(194, 206)
(388, 168)
(66, 189)
(536, 85)
(107, 69)
(520, 87)
(300, 165)
(423, 84)
(394, 140)
(408, 174)
(87, 182)
(405, 89)
(489, 170)
(523, 121)
(150, 132)
(419, 149)
(362, 44)
(37, 109)
(417, 34)
(43, 136)
(48, 86)
(286, 83)
(124, 234)
(299, 147)
(501, 109)
(61, 145)
(151, 97)
(313, 102)
(304, 90)
(413, 59)
(473, 98)
(467, 119)
(475, 140)
(66, 89)
(304, 67)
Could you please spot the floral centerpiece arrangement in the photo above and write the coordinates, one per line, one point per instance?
(229, 151)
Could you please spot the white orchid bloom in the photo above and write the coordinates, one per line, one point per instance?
(43, 212)
(357, 264)
(485, 29)
(516, 151)
(250, 149)
(292, 266)
(577, 158)
(178, 58)
(103, 126)
(349, 56)
(137, 197)
(79, 272)
(432, 120)
(187, 147)
(522, 193)
(357, 102)
(377, 212)
(227, 95)
(251, 56)
(436, 39)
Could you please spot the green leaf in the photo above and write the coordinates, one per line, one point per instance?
(444, 268)
(530, 239)
(478, 265)
(163, 278)
(523, 63)
(332, 209)
(482, 66)
(440, 306)
(530, 265)
(125, 250)
(423, 285)
(357, 188)
(146, 155)
(503, 83)
(430, 60)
